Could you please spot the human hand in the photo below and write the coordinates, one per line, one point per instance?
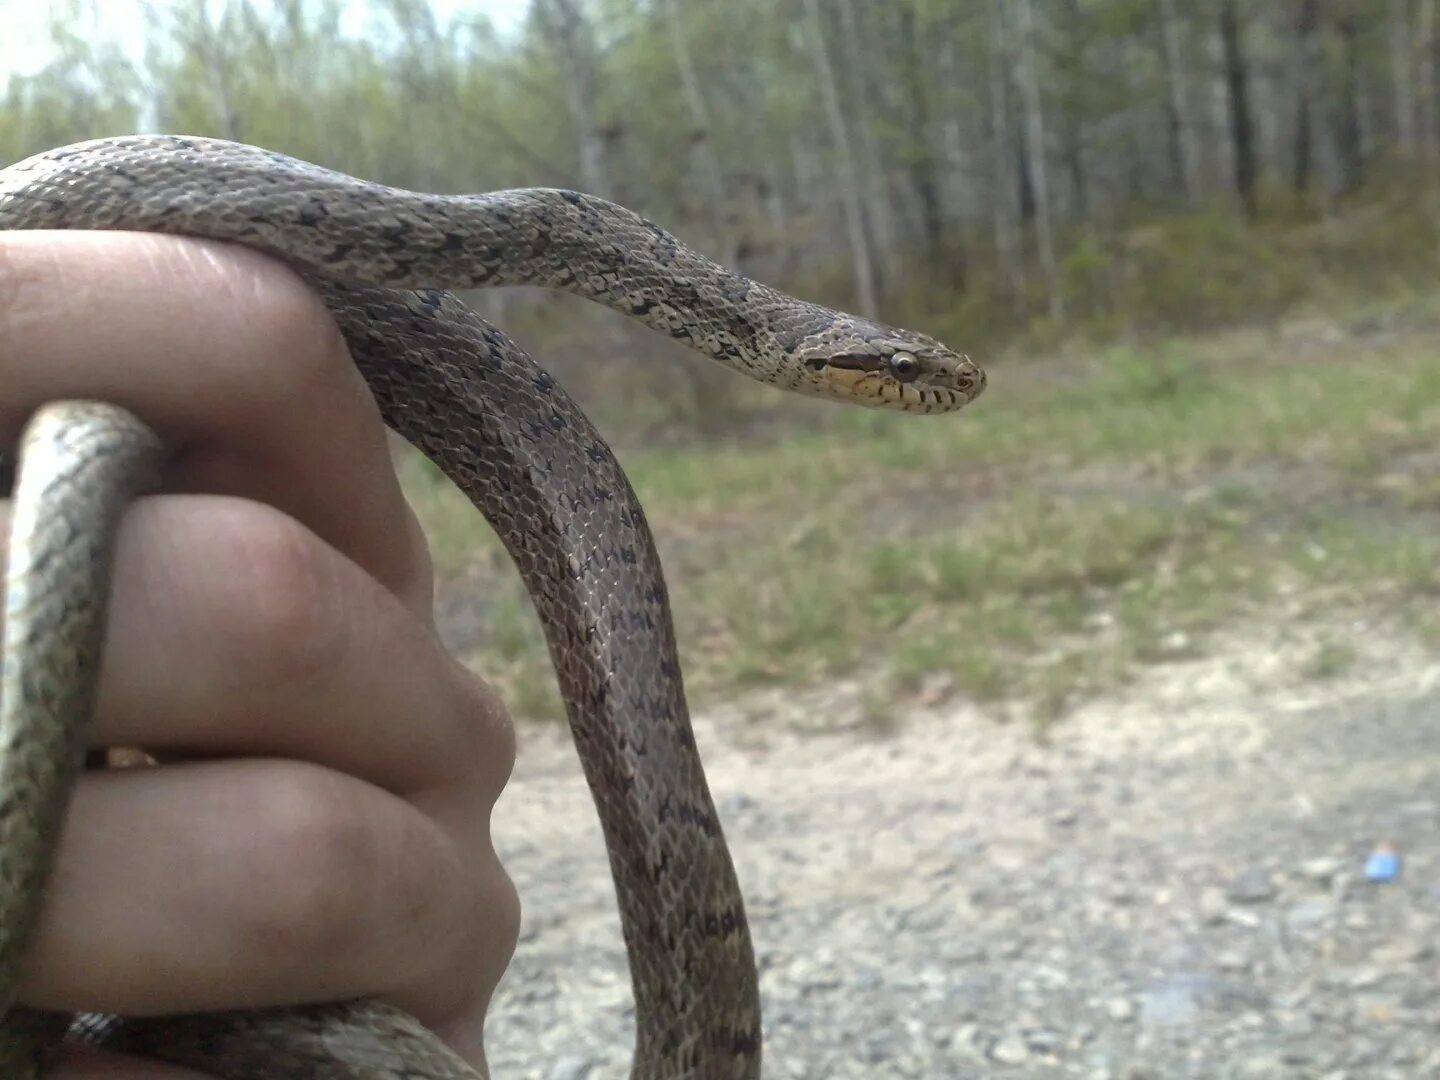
(321, 830)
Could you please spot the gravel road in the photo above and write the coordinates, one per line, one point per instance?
(1169, 886)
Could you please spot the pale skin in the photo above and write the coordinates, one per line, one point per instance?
(321, 830)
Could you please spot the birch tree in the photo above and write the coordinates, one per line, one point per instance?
(1004, 208)
(568, 29)
(1237, 86)
(1305, 65)
(1183, 151)
(1035, 146)
(862, 261)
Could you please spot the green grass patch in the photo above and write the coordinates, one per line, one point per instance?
(1085, 518)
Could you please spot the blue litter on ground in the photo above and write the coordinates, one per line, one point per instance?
(1383, 864)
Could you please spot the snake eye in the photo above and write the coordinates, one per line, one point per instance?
(904, 367)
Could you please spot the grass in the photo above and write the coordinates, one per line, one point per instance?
(1089, 516)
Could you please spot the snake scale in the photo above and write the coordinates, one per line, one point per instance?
(505, 433)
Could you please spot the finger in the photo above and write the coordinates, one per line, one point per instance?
(235, 630)
(233, 359)
(280, 883)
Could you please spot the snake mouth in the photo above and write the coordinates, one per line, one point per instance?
(848, 362)
(971, 379)
(872, 379)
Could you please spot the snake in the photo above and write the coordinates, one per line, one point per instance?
(506, 434)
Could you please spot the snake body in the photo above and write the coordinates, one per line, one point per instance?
(504, 432)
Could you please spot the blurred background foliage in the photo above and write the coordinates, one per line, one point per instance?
(998, 170)
(1117, 191)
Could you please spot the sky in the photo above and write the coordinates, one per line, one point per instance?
(22, 42)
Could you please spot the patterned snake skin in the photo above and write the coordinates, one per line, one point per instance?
(504, 432)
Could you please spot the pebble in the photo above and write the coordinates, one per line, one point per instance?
(571, 1068)
(1321, 869)
(1254, 886)
(1120, 1010)
(1310, 913)
(1212, 906)
(1232, 961)
(953, 900)
(1011, 1050)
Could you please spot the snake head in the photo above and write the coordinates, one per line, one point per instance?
(864, 363)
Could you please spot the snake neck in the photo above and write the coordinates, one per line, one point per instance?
(590, 247)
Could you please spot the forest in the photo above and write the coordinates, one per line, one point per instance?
(1172, 231)
(995, 168)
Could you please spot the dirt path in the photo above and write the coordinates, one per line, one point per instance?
(1170, 888)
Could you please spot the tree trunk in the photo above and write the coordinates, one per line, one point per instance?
(1426, 115)
(879, 213)
(713, 392)
(1184, 156)
(1237, 82)
(922, 169)
(573, 38)
(1004, 208)
(1349, 135)
(957, 133)
(1426, 84)
(1402, 72)
(1306, 62)
(861, 257)
(1035, 146)
(1072, 128)
(705, 159)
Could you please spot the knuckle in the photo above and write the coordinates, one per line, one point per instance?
(341, 870)
(29, 297)
(488, 734)
(23, 278)
(482, 946)
(292, 348)
(306, 350)
(298, 344)
(504, 915)
(308, 848)
(277, 614)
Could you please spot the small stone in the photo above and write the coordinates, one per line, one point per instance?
(1321, 870)
(1232, 961)
(1175, 643)
(1261, 1068)
(935, 689)
(1011, 1050)
(1254, 886)
(1212, 906)
(571, 1067)
(1120, 1010)
(1170, 1004)
(1396, 954)
(1043, 1041)
(735, 803)
(1310, 913)
(1366, 977)
(1065, 817)
(964, 1038)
